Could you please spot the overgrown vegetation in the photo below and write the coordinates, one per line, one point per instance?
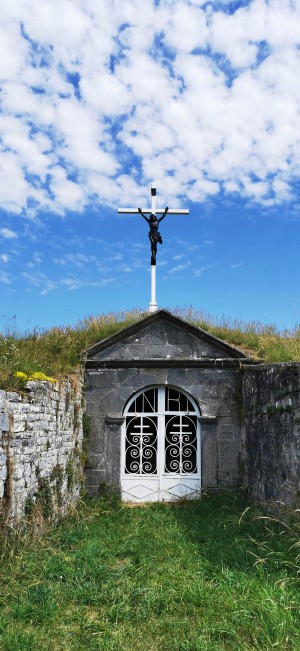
(56, 351)
(209, 575)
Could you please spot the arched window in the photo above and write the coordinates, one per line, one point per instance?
(161, 445)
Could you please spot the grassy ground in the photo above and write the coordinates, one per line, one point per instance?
(56, 351)
(190, 576)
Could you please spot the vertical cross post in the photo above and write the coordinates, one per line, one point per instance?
(153, 303)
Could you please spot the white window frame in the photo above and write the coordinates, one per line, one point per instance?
(161, 475)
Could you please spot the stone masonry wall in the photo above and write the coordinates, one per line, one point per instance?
(271, 432)
(40, 449)
(216, 392)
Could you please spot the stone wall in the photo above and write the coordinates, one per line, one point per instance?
(41, 449)
(271, 432)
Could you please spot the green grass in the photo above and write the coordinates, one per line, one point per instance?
(190, 576)
(56, 351)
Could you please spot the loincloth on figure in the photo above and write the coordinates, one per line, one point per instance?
(155, 237)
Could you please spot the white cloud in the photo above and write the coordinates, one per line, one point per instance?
(179, 256)
(75, 259)
(100, 98)
(45, 285)
(126, 268)
(186, 29)
(200, 271)
(8, 234)
(4, 257)
(179, 267)
(5, 278)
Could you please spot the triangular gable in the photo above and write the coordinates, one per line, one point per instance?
(162, 335)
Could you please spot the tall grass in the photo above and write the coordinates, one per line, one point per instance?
(263, 341)
(57, 350)
(189, 576)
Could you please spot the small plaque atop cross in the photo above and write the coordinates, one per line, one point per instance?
(154, 234)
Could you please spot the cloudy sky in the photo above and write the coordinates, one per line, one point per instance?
(98, 98)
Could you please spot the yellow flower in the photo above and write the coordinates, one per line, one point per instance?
(21, 376)
(42, 377)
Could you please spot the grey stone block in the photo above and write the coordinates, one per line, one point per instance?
(4, 422)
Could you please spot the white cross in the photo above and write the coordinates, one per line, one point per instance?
(153, 211)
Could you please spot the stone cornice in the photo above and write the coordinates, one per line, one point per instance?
(168, 363)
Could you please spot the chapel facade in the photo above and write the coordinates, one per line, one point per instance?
(164, 400)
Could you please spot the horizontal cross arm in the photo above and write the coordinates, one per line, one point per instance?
(160, 211)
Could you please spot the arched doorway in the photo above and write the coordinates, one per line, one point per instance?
(160, 446)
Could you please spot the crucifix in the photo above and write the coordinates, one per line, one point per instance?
(154, 234)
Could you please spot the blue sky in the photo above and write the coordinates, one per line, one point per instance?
(100, 98)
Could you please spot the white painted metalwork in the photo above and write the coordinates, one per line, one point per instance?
(160, 446)
(141, 445)
(153, 303)
(149, 211)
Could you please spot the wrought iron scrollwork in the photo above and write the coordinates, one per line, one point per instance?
(167, 414)
(141, 445)
(181, 445)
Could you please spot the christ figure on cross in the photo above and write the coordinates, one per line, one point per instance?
(154, 234)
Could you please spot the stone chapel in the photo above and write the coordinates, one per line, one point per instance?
(163, 398)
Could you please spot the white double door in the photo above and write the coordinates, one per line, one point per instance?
(160, 446)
